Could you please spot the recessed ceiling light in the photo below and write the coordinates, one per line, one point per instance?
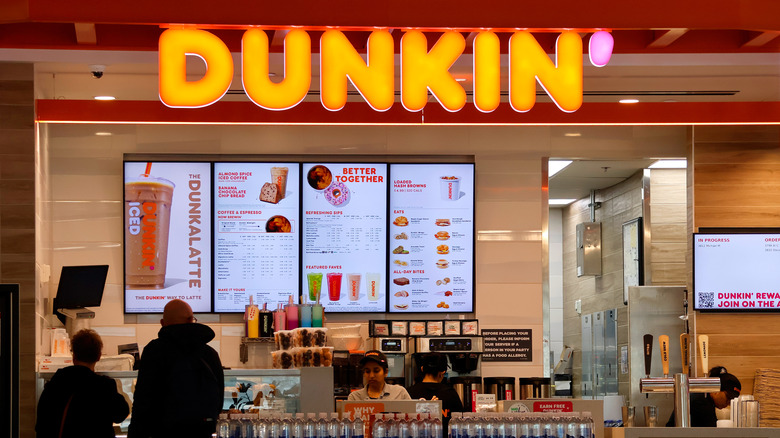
(105, 97)
(669, 164)
(572, 134)
(560, 201)
(555, 166)
(460, 79)
(103, 134)
(628, 100)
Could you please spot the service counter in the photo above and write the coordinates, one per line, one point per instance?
(691, 432)
(292, 390)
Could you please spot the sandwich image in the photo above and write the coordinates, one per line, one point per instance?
(401, 306)
(402, 293)
(442, 235)
(443, 222)
(401, 281)
(401, 221)
(442, 264)
(442, 249)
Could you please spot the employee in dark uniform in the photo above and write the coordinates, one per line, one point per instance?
(703, 405)
(434, 365)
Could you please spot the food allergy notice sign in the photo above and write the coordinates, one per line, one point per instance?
(507, 345)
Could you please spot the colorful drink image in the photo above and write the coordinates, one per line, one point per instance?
(279, 177)
(450, 188)
(334, 286)
(305, 313)
(315, 285)
(353, 281)
(147, 221)
(372, 286)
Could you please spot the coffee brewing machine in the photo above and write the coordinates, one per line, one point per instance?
(463, 353)
(396, 349)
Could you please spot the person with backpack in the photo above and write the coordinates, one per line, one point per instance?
(180, 386)
(76, 402)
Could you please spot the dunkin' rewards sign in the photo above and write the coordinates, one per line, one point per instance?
(167, 235)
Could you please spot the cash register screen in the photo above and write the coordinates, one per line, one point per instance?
(81, 286)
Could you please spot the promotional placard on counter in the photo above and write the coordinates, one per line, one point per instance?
(256, 234)
(344, 235)
(431, 238)
(167, 235)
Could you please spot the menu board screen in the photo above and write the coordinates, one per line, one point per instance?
(167, 235)
(736, 271)
(255, 234)
(344, 235)
(431, 238)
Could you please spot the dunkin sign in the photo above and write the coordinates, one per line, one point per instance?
(422, 70)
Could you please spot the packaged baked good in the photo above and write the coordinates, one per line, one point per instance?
(327, 356)
(401, 281)
(417, 328)
(470, 328)
(283, 359)
(381, 329)
(435, 328)
(452, 328)
(284, 339)
(399, 328)
(310, 337)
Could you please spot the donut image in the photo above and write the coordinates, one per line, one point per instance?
(337, 194)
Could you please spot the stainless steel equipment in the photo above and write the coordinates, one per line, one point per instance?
(396, 349)
(467, 388)
(464, 353)
(534, 387)
(502, 387)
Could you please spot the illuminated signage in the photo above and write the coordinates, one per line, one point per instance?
(422, 70)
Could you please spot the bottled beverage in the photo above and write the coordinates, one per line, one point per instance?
(322, 425)
(345, 427)
(358, 426)
(334, 425)
(286, 430)
(426, 431)
(379, 429)
(310, 427)
(403, 426)
(435, 426)
(223, 426)
(414, 425)
(275, 426)
(523, 426)
(262, 426)
(298, 425)
(392, 425)
(453, 429)
(247, 425)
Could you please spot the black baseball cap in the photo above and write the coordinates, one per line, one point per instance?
(730, 384)
(375, 356)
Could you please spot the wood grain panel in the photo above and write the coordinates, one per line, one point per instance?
(667, 176)
(738, 345)
(668, 194)
(669, 273)
(733, 173)
(714, 216)
(677, 232)
(737, 153)
(669, 252)
(736, 323)
(667, 213)
(738, 195)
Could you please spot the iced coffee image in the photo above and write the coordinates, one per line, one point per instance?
(147, 222)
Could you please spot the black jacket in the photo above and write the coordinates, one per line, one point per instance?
(450, 401)
(702, 412)
(180, 387)
(94, 407)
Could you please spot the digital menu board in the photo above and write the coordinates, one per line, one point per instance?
(431, 247)
(344, 235)
(736, 271)
(256, 234)
(167, 235)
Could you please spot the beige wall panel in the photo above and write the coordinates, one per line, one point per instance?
(736, 323)
(741, 345)
(667, 194)
(676, 232)
(668, 252)
(673, 177)
(667, 213)
(669, 273)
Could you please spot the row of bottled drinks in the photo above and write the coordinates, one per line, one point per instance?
(462, 425)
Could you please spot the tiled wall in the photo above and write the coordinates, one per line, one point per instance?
(619, 203)
(17, 215)
(555, 234)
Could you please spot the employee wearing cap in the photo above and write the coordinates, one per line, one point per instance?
(374, 372)
(703, 405)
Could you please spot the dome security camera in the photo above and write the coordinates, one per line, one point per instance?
(97, 70)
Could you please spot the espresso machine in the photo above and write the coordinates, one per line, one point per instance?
(396, 349)
(464, 354)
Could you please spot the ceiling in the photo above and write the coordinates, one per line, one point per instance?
(577, 179)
